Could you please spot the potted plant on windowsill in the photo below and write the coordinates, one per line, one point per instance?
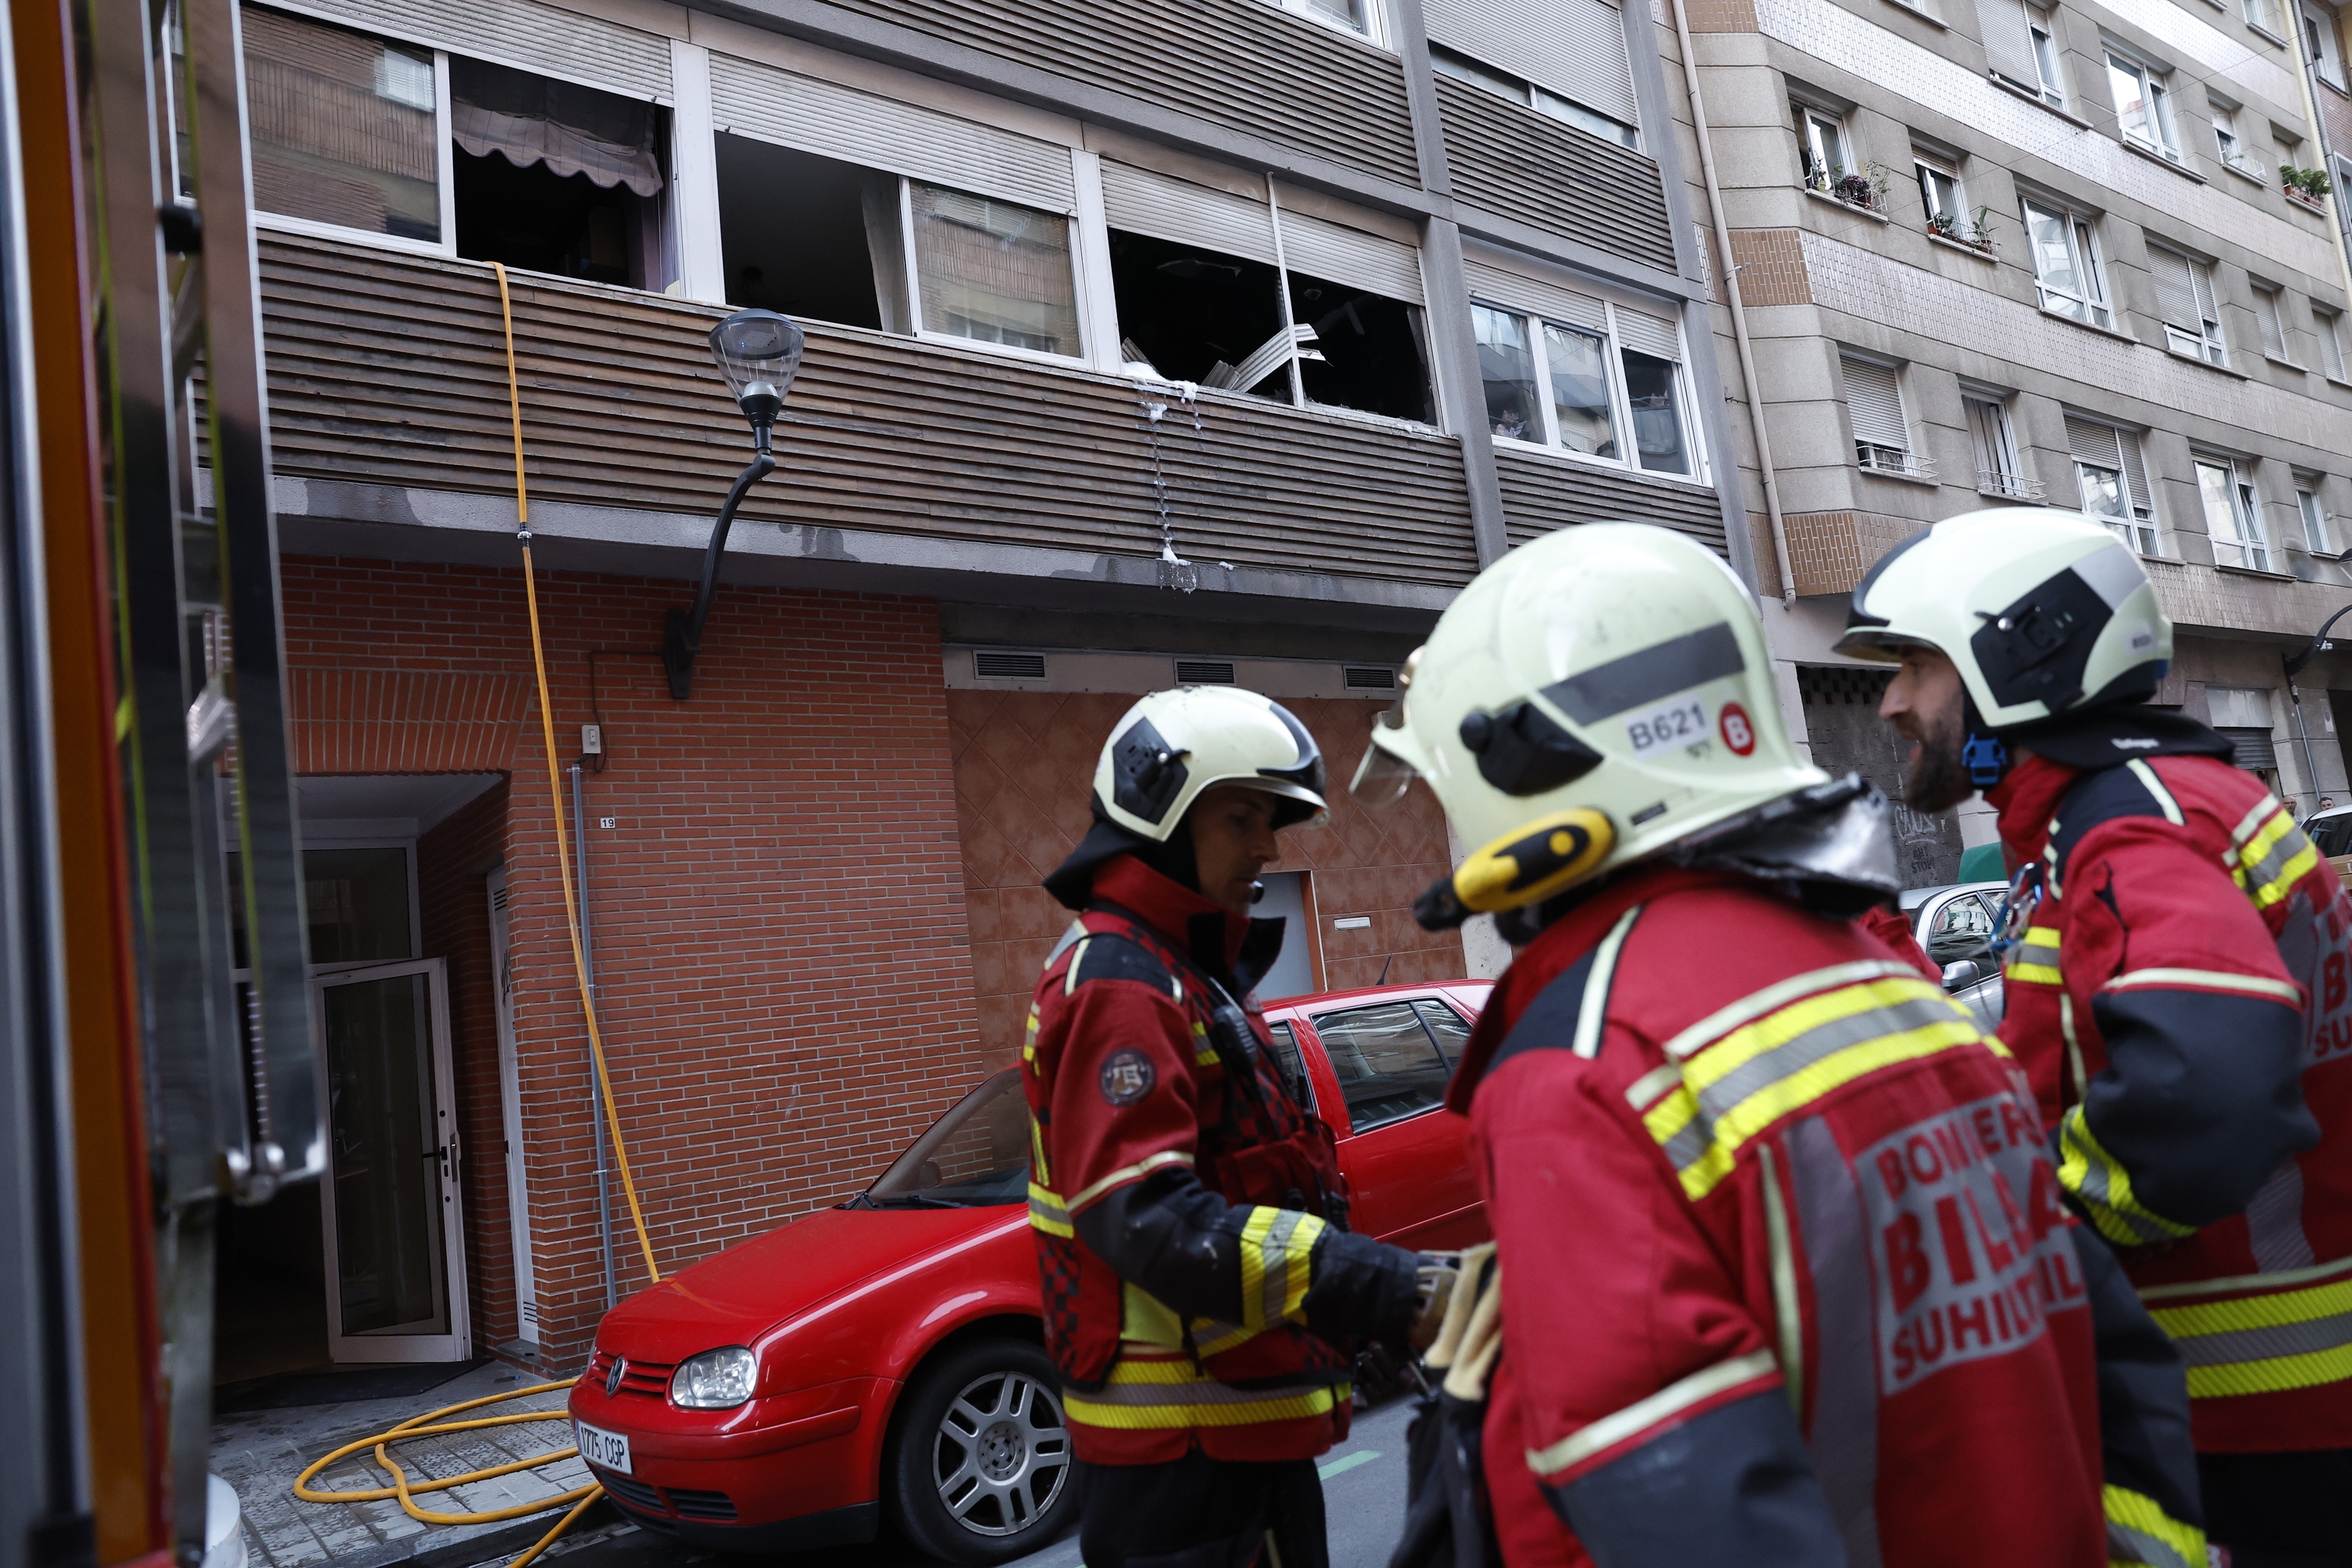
(2309, 187)
(1865, 187)
(1974, 231)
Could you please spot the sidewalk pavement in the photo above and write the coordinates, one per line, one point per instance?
(262, 1452)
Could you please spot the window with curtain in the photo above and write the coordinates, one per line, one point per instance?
(2184, 298)
(2233, 518)
(1998, 471)
(1874, 399)
(2067, 270)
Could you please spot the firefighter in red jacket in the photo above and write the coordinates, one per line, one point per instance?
(1203, 1290)
(2177, 984)
(1785, 1275)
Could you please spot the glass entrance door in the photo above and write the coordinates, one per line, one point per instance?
(396, 1264)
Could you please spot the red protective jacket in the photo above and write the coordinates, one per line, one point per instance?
(1200, 1284)
(1783, 1259)
(2178, 996)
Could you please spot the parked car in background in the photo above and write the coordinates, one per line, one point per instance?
(2331, 831)
(1954, 926)
(883, 1361)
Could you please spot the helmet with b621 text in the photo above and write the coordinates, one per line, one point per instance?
(1593, 697)
(1172, 746)
(2044, 612)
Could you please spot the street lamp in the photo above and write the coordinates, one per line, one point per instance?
(758, 352)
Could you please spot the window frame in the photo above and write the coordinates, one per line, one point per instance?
(914, 282)
(2270, 317)
(1923, 169)
(444, 164)
(2230, 149)
(2248, 538)
(2155, 97)
(2318, 531)
(1376, 31)
(1913, 464)
(1445, 60)
(1620, 411)
(2049, 61)
(2262, 16)
(2011, 483)
(1810, 118)
(2083, 252)
(2319, 39)
(2211, 345)
(2328, 326)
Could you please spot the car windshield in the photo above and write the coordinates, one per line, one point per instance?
(975, 1155)
(2332, 833)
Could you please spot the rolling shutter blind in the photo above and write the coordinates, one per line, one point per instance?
(2255, 748)
(2093, 444)
(1575, 48)
(2176, 292)
(1343, 255)
(1551, 301)
(1875, 400)
(2008, 47)
(2135, 472)
(856, 127)
(518, 33)
(1141, 202)
(1645, 333)
(2201, 276)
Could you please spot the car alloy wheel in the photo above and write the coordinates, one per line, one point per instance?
(979, 1467)
(1002, 1453)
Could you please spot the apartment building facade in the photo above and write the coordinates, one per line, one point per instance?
(1142, 347)
(1994, 252)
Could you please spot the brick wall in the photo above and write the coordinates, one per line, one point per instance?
(779, 907)
(453, 864)
(1024, 768)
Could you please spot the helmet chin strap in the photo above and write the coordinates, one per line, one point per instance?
(1984, 754)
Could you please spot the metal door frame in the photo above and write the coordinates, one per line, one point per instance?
(388, 1345)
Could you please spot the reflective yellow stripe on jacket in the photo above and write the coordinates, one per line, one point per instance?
(2272, 853)
(1772, 1061)
(2263, 1345)
(2140, 1534)
(1278, 1265)
(2036, 963)
(2098, 1181)
(1156, 1393)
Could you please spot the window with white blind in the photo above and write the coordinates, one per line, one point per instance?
(2318, 538)
(2328, 327)
(2143, 105)
(2112, 481)
(1575, 373)
(2270, 311)
(1207, 290)
(1882, 432)
(2021, 50)
(2068, 272)
(1998, 471)
(2233, 515)
(2184, 298)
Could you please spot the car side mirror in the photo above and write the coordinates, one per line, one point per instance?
(1965, 972)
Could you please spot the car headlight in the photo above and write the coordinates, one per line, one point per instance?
(715, 1380)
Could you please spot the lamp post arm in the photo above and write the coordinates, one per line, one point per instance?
(682, 636)
(2318, 640)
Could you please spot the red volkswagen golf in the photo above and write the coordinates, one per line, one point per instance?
(883, 1360)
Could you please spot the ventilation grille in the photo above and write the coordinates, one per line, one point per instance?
(1009, 666)
(1204, 672)
(1371, 678)
(634, 1493)
(715, 1506)
(1824, 685)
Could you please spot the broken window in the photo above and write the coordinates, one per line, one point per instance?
(1367, 352)
(810, 237)
(553, 178)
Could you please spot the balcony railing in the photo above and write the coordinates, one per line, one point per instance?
(1878, 459)
(2010, 487)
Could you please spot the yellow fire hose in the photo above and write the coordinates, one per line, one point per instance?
(430, 1423)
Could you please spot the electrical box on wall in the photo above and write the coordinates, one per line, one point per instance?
(592, 739)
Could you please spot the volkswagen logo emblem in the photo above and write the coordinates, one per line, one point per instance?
(613, 1378)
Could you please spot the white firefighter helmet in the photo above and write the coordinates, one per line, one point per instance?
(2043, 611)
(1592, 698)
(1171, 746)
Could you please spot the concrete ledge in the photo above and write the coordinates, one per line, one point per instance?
(329, 516)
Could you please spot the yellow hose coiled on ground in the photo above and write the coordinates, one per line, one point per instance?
(430, 1423)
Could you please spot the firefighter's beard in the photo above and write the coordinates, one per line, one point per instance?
(1938, 780)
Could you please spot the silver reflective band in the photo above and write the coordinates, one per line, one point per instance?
(1610, 1430)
